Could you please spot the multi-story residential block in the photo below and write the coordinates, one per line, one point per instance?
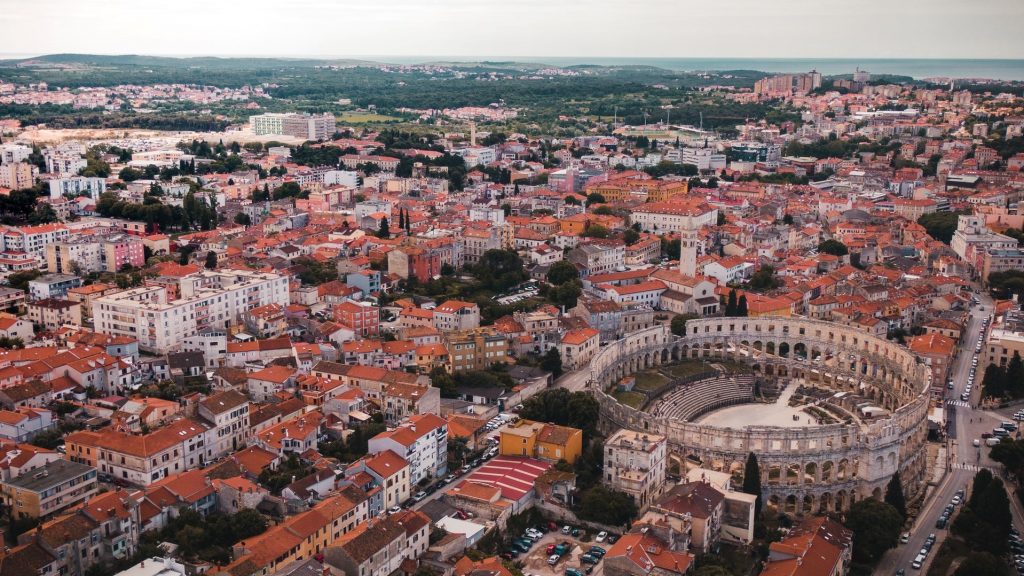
(379, 548)
(414, 262)
(578, 346)
(634, 463)
(78, 186)
(106, 528)
(63, 163)
(208, 299)
(228, 412)
(32, 240)
(18, 175)
(295, 435)
(937, 351)
(475, 349)
(598, 258)
(456, 315)
(53, 314)
(11, 153)
(387, 471)
(307, 126)
(362, 317)
(303, 535)
(422, 441)
(96, 254)
(645, 554)
(369, 281)
(52, 286)
(694, 508)
(49, 489)
(540, 440)
(142, 459)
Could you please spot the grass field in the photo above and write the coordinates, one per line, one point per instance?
(632, 399)
(688, 368)
(649, 380)
(365, 117)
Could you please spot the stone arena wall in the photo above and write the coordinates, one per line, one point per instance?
(803, 470)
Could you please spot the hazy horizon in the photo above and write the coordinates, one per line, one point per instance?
(487, 29)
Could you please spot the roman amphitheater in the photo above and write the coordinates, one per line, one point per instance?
(831, 412)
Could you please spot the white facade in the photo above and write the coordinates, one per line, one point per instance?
(308, 126)
(11, 153)
(64, 164)
(703, 158)
(208, 299)
(422, 441)
(634, 463)
(77, 186)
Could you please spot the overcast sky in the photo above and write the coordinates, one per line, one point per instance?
(523, 28)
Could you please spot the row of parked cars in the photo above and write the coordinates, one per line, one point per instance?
(1017, 546)
(923, 554)
(948, 511)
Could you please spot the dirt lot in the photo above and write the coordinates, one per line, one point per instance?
(536, 561)
(54, 135)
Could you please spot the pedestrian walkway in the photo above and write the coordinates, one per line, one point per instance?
(959, 403)
(968, 467)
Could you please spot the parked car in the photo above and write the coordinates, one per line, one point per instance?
(597, 551)
(417, 497)
(601, 536)
(573, 572)
(566, 530)
(589, 559)
(394, 510)
(553, 559)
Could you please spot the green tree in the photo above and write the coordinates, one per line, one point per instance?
(43, 214)
(243, 219)
(595, 198)
(764, 279)
(752, 482)
(607, 506)
(940, 225)
(499, 270)
(384, 230)
(876, 528)
(995, 381)
(981, 481)
(552, 362)
(561, 272)
(1015, 375)
(211, 260)
(894, 495)
(442, 380)
(630, 236)
(787, 219)
(731, 304)
(741, 306)
(678, 324)
(595, 231)
(833, 247)
(982, 563)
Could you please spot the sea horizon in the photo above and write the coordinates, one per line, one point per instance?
(918, 68)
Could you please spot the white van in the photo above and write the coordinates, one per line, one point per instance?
(916, 564)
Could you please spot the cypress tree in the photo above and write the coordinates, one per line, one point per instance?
(752, 482)
(894, 495)
(731, 306)
(741, 307)
(384, 231)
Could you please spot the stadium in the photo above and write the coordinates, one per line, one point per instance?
(831, 412)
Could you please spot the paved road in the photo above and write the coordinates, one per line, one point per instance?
(965, 423)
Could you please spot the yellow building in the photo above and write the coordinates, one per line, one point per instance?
(543, 441)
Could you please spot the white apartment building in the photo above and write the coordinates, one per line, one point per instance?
(364, 209)
(456, 315)
(634, 463)
(422, 441)
(208, 299)
(308, 126)
(11, 153)
(598, 258)
(477, 155)
(32, 239)
(78, 186)
(64, 164)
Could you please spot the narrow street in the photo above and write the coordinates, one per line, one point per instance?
(965, 424)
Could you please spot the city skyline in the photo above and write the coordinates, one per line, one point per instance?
(572, 29)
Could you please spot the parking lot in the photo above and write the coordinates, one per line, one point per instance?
(536, 560)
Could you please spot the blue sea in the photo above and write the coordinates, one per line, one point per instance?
(914, 67)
